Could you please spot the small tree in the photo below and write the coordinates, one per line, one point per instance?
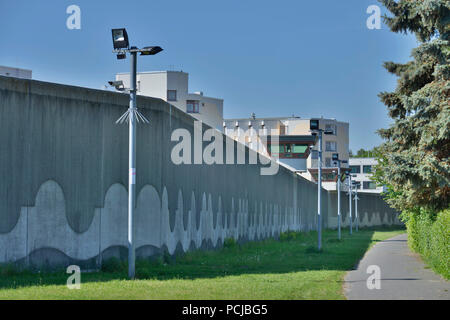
(414, 160)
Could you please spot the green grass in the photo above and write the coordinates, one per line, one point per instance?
(269, 269)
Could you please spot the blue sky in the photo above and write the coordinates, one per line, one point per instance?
(274, 58)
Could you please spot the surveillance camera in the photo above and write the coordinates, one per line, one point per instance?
(117, 84)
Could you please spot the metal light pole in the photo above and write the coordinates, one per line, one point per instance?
(335, 158)
(319, 197)
(132, 116)
(339, 199)
(356, 207)
(350, 202)
(315, 128)
(132, 167)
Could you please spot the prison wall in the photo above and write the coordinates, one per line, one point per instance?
(64, 178)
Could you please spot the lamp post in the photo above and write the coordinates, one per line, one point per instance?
(350, 202)
(132, 116)
(356, 185)
(315, 129)
(356, 209)
(335, 158)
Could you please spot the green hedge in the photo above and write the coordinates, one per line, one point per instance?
(429, 235)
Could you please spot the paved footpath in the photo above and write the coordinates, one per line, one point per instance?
(403, 275)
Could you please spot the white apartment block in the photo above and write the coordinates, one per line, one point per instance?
(294, 137)
(15, 72)
(362, 169)
(172, 86)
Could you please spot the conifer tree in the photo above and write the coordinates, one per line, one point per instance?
(414, 160)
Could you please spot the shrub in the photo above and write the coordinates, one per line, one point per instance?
(9, 270)
(229, 243)
(289, 235)
(428, 235)
(167, 258)
(114, 265)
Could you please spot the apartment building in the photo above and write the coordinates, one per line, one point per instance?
(172, 86)
(292, 150)
(294, 140)
(362, 171)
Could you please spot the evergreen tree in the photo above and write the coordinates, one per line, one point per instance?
(414, 160)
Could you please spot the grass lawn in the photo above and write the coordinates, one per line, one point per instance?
(269, 269)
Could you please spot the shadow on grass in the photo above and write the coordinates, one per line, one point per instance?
(297, 252)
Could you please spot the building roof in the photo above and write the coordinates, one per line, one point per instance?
(281, 118)
(151, 72)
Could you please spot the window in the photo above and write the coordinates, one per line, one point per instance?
(369, 185)
(328, 162)
(299, 148)
(192, 106)
(276, 148)
(330, 146)
(367, 169)
(314, 154)
(355, 169)
(331, 127)
(171, 95)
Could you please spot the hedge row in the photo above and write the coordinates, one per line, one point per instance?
(429, 235)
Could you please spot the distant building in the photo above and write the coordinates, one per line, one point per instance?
(294, 137)
(15, 72)
(362, 168)
(172, 86)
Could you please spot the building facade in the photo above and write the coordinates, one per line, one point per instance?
(292, 149)
(362, 171)
(294, 134)
(172, 86)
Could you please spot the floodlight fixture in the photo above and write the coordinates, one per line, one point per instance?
(120, 38)
(314, 124)
(117, 84)
(150, 51)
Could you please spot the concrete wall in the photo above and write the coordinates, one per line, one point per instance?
(64, 172)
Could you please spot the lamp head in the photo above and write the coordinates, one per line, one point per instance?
(150, 51)
(120, 38)
(314, 124)
(121, 56)
(117, 84)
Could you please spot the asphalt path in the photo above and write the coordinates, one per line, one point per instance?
(402, 275)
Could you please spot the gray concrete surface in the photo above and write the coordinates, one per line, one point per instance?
(64, 172)
(404, 276)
